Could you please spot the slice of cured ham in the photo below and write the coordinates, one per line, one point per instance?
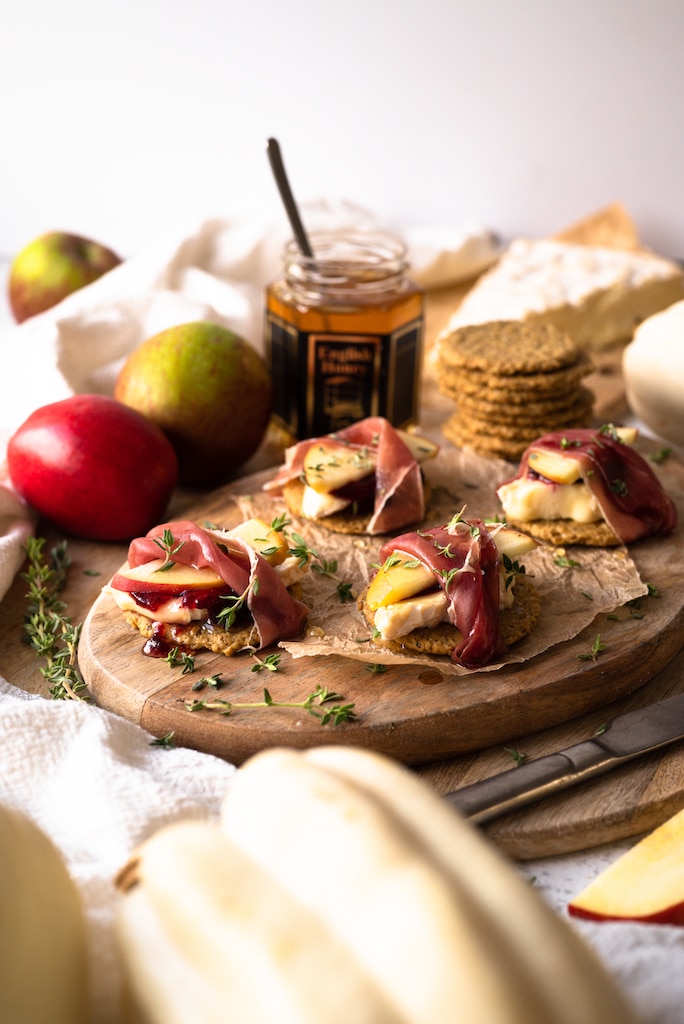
(275, 612)
(465, 562)
(399, 496)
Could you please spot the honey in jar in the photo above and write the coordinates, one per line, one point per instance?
(344, 334)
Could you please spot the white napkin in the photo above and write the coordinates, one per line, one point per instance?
(97, 788)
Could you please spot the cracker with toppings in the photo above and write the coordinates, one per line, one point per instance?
(363, 479)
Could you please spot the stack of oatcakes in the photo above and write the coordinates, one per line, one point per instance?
(512, 382)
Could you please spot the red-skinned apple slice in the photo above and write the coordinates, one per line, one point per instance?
(645, 884)
(151, 579)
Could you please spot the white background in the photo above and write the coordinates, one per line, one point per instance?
(121, 117)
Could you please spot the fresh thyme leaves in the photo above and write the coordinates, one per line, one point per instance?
(270, 662)
(512, 568)
(168, 545)
(214, 682)
(610, 430)
(47, 628)
(234, 603)
(596, 648)
(566, 563)
(661, 455)
(315, 704)
(517, 755)
(167, 742)
(619, 487)
(376, 668)
(176, 657)
(328, 568)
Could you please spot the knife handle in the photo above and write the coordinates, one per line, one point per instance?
(530, 781)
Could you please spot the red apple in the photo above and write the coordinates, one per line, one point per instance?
(95, 467)
(53, 266)
(645, 884)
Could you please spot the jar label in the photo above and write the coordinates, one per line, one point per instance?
(325, 381)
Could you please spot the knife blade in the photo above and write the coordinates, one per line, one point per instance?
(625, 737)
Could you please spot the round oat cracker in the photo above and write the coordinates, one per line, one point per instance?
(548, 412)
(566, 532)
(516, 623)
(508, 347)
(520, 387)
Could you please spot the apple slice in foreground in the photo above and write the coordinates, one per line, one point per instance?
(150, 578)
(645, 884)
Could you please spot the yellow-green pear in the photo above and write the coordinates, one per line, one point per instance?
(210, 392)
(53, 266)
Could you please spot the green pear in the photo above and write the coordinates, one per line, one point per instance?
(210, 392)
(53, 266)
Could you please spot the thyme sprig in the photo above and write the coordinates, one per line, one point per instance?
(313, 704)
(167, 543)
(47, 629)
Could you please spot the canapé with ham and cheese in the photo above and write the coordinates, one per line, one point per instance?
(224, 590)
(363, 479)
(587, 486)
(457, 590)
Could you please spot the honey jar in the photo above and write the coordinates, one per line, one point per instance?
(344, 334)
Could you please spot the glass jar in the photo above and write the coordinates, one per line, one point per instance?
(344, 334)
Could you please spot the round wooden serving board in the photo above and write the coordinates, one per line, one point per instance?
(414, 714)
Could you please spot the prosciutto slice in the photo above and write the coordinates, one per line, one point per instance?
(399, 496)
(275, 612)
(465, 561)
(629, 494)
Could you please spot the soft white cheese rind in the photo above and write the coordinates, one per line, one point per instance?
(525, 500)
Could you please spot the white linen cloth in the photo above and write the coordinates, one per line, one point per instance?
(92, 780)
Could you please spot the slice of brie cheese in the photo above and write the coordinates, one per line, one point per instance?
(317, 505)
(526, 500)
(425, 610)
(594, 294)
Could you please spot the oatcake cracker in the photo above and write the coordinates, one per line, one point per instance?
(516, 623)
(512, 382)
(519, 387)
(508, 445)
(562, 532)
(508, 347)
(546, 412)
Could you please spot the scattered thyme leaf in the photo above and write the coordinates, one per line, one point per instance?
(167, 742)
(177, 657)
(271, 662)
(596, 648)
(517, 755)
(661, 455)
(565, 562)
(376, 668)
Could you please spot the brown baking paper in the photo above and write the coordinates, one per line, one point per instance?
(571, 598)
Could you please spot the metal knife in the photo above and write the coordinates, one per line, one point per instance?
(623, 738)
